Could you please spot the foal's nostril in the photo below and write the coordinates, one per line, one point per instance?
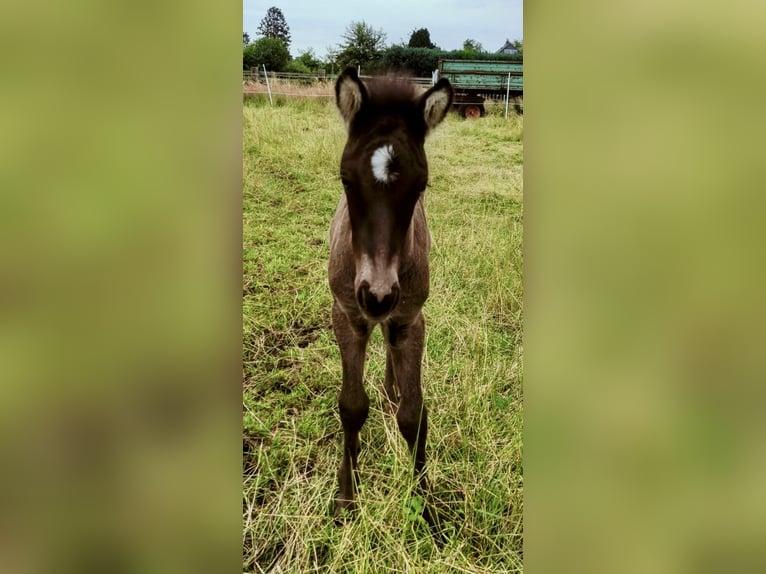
(362, 293)
(394, 295)
(377, 303)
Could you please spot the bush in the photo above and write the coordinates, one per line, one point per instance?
(419, 61)
(297, 67)
(312, 63)
(270, 52)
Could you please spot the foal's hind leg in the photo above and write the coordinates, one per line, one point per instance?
(353, 402)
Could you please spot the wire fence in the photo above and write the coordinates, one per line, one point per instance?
(322, 85)
(254, 75)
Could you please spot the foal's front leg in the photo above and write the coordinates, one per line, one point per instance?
(389, 382)
(405, 349)
(353, 402)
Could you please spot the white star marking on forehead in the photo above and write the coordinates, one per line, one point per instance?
(381, 163)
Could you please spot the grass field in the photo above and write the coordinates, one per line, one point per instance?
(472, 370)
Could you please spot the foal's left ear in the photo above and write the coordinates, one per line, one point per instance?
(436, 102)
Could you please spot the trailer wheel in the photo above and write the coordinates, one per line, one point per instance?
(469, 105)
(472, 111)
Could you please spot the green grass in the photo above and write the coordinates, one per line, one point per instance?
(472, 368)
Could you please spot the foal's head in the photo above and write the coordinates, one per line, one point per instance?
(384, 171)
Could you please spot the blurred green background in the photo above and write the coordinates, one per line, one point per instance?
(120, 286)
(644, 247)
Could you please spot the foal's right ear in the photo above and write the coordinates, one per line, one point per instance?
(350, 94)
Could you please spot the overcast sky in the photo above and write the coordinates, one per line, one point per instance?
(319, 24)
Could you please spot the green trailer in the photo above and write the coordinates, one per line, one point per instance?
(475, 81)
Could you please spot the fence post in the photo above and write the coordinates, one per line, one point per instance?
(507, 93)
(268, 87)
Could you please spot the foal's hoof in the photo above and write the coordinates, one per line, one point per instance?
(434, 526)
(344, 511)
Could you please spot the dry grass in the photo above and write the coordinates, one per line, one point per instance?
(320, 89)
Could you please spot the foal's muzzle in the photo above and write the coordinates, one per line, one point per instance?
(377, 302)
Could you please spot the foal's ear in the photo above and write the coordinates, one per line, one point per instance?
(350, 94)
(436, 102)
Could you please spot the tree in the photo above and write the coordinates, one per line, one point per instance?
(472, 46)
(270, 52)
(274, 25)
(363, 45)
(519, 45)
(245, 39)
(421, 38)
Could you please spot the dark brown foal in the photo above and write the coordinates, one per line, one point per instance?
(379, 244)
